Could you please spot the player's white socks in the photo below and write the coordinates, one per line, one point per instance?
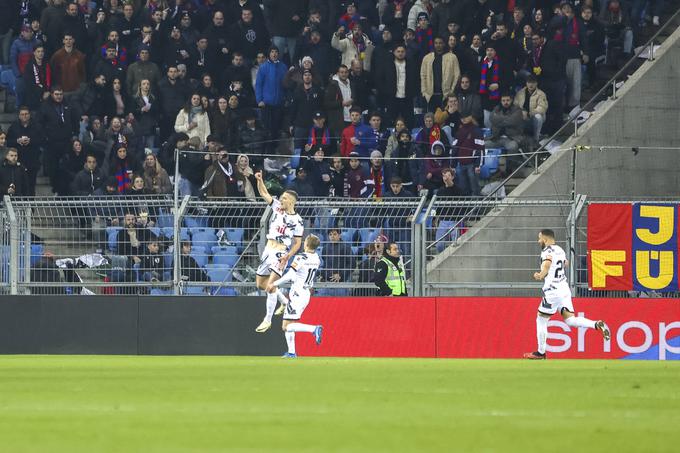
(541, 332)
(290, 339)
(271, 306)
(299, 327)
(283, 300)
(579, 321)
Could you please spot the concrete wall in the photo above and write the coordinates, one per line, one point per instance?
(646, 113)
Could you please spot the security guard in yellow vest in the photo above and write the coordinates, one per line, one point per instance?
(389, 274)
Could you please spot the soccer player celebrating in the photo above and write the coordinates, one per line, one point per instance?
(556, 294)
(301, 273)
(283, 241)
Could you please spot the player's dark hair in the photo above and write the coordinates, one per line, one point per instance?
(548, 233)
(313, 241)
(292, 193)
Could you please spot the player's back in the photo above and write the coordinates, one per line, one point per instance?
(306, 267)
(556, 274)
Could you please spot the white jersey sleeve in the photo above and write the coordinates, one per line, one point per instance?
(306, 266)
(558, 262)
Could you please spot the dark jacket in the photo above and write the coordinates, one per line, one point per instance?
(281, 12)
(13, 174)
(333, 106)
(469, 145)
(304, 103)
(172, 97)
(86, 182)
(338, 259)
(145, 122)
(37, 81)
(28, 155)
(386, 79)
(249, 39)
(218, 184)
(60, 124)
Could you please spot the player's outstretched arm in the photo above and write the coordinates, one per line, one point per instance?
(264, 193)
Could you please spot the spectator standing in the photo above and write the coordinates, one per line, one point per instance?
(122, 167)
(397, 85)
(253, 138)
(353, 46)
(68, 66)
(389, 273)
(27, 137)
(60, 125)
(249, 36)
(319, 136)
(52, 23)
(269, 93)
(20, 53)
(70, 165)
(490, 83)
(172, 94)
(348, 139)
(371, 137)
(569, 29)
(286, 19)
(307, 100)
(549, 64)
(468, 150)
(142, 69)
(221, 178)
(13, 175)
(193, 120)
(146, 114)
(339, 99)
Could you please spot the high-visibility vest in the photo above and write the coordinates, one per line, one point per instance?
(395, 278)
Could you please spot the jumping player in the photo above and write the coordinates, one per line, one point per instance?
(556, 294)
(302, 274)
(284, 239)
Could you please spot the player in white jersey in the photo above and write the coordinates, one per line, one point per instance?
(302, 274)
(284, 239)
(556, 294)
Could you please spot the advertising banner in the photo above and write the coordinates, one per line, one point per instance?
(644, 329)
(633, 247)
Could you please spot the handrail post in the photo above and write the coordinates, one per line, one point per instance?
(177, 245)
(13, 246)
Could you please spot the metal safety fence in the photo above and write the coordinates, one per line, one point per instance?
(155, 245)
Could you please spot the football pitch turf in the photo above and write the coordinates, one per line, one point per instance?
(168, 404)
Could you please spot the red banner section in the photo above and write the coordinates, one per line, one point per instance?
(371, 327)
(610, 238)
(488, 328)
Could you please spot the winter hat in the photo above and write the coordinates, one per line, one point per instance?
(375, 154)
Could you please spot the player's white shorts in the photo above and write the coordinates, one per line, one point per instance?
(299, 299)
(270, 262)
(554, 300)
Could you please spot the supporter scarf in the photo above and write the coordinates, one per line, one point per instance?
(42, 75)
(573, 36)
(325, 137)
(227, 171)
(425, 35)
(360, 43)
(378, 176)
(122, 176)
(493, 95)
(435, 134)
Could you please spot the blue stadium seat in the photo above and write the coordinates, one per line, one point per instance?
(443, 227)
(195, 221)
(295, 158)
(165, 221)
(490, 162)
(169, 259)
(220, 275)
(368, 235)
(36, 253)
(161, 292)
(347, 235)
(235, 235)
(169, 232)
(194, 290)
(226, 256)
(200, 257)
(156, 231)
(203, 241)
(112, 238)
(414, 132)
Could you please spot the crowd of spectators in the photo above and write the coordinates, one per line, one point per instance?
(379, 98)
(122, 80)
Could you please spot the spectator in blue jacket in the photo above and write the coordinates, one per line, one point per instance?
(371, 137)
(269, 91)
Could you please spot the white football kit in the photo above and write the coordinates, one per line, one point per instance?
(556, 291)
(305, 265)
(283, 228)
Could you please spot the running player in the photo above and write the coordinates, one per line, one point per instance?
(284, 239)
(556, 294)
(302, 274)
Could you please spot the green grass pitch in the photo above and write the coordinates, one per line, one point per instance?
(173, 404)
